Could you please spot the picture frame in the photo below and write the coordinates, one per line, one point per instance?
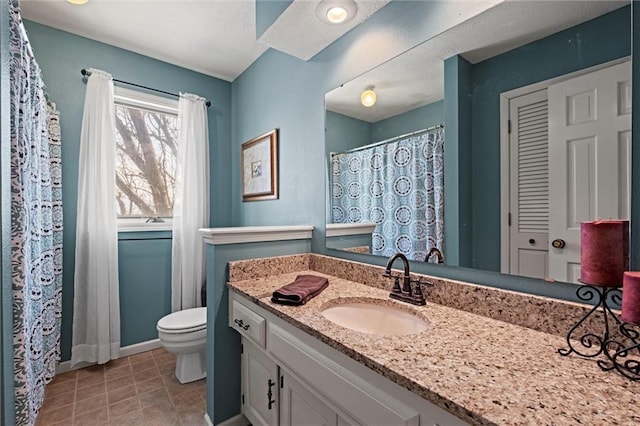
(260, 167)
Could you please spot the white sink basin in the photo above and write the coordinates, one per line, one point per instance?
(372, 318)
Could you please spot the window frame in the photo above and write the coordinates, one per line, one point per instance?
(146, 101)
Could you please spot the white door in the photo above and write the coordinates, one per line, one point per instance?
(529, 185)
(301, 407)
(259, 386)
(589, 159)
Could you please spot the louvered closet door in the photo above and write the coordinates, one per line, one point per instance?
(529, 188)
(589, 158)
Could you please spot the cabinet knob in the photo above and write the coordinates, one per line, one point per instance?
(558, 243)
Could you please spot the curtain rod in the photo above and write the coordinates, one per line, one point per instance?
(86, 73)
(395, 138)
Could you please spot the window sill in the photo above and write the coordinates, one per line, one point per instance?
(151, 227)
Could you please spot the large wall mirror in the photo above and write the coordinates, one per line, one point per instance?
(549, 85)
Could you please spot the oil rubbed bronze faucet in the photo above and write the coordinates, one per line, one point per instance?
(437, 253)
(404, 293)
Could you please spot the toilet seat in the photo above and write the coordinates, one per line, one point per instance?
(186, 321)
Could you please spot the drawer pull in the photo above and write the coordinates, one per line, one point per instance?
(241, 324)
(270, 393)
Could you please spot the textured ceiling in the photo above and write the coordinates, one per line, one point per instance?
(213, 37)
(300, 33)
(416, 77)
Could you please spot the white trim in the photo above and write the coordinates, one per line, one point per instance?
(207, 419)
(505, 182)
(505, 97)
(139, 224)
(140, 347)
(238, 420)
(137, 348)
(144, 100)
(514, 93)
(141, 228)
(340, 229)
(254, 234)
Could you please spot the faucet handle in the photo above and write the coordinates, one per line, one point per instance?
(417, 292)
(419, 283)
(396, 285)
(396, 281)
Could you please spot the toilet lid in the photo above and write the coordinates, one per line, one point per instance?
(184, 321)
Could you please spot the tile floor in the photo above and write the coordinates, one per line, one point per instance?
(136, 390)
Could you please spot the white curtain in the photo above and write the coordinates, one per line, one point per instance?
(191, 203)
(96, 307)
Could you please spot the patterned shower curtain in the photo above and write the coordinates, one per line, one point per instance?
(399, 186)
(36, 231)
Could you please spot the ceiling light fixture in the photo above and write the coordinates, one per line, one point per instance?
(336, 11)
(78, 1)
(368, 97)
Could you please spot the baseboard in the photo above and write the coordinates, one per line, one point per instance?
(239, 420)
(137, 348)
(207, 419)
(140, 347)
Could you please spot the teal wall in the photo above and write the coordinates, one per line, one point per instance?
(279, 91)
(61, 55)
(600, 40)
(144, 262)
(300, 86)
(457, 162)
(7, 414)
(223, 343)
(267, 11)
(343, 133)
(418, 118)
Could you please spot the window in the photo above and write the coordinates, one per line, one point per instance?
(146, 149)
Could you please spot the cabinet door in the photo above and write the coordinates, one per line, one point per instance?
(299, 406)
(259, 386)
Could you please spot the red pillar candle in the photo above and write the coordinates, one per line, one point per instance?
(631, 298)
(604, 252)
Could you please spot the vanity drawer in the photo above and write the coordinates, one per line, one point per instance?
(248, 323)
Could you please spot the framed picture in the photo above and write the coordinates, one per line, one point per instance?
(260, 167)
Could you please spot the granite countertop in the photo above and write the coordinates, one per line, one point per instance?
(482, 370)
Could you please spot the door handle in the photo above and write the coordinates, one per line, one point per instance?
(558, 243)
(271, 384)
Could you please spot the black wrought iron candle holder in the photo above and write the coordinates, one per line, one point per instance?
(591, 344)
(618, 354)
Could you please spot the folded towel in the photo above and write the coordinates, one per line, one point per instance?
(300, 291)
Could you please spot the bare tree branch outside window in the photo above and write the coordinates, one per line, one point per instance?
(146, 146)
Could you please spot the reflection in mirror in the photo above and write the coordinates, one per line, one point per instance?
(547, 153)
(397, 184)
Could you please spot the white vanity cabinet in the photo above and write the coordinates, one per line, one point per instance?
(260, 383)
(272, 396)
(314, 384)
(299, 406)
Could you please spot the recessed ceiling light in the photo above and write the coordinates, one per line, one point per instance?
(337, 14)
(77, 1)
(336, 11)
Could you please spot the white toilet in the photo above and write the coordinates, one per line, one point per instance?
(184, 333)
